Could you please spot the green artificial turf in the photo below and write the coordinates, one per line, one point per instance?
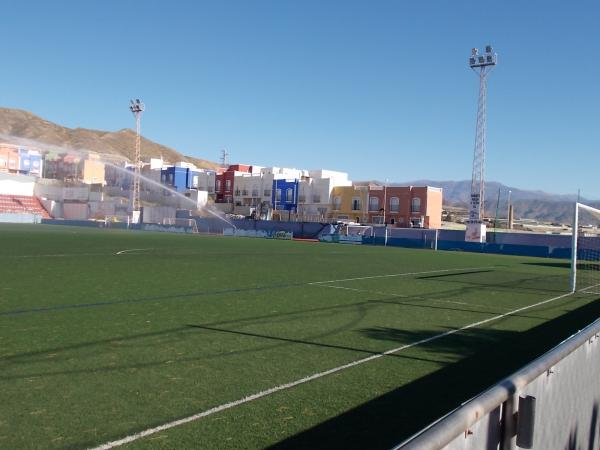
(96, 345)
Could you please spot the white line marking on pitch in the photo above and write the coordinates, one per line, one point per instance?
(391, 294)
(56, 255)
(132, 250)
(282, 387)
(403, 274)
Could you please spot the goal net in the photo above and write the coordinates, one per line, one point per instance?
(357, 230)
(585, 262)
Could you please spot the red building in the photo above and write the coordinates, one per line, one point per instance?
(225, 179)
(406, 206)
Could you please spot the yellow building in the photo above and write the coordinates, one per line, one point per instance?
(93, 171)
(349, 203)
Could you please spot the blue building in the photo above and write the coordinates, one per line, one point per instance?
(30, 162)
(192, 179)
(180, 178)
(285, 195)
(177, 177)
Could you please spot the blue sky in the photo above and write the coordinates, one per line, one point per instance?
(380, 90)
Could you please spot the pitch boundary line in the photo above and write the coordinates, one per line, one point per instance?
(408, 297)
(315, 376)
(403, 274)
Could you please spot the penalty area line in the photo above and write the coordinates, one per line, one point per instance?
(402, 274)
(315, 376)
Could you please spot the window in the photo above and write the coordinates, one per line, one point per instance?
(301, 198)
(373, 203)
(394, 204)
(278, 195)
(355, 204)
(228, 185)
(316, 199)
(218, 185)
(415, 205)
(289, 196)
(237, 192)
(244, 191)
(254, 192)
(267, 193)
(337, 203)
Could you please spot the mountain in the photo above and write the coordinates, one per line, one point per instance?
(538, 205)
(22, 127)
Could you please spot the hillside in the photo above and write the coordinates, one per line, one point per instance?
(537, 205)
(22, 127)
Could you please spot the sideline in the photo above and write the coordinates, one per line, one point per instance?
(315, 376)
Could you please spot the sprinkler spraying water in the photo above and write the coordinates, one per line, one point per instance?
(143, 179)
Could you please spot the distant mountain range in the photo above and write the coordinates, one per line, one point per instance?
(24, 128)
(537, 205)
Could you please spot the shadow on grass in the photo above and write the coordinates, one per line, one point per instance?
(389, 419)
(562, 265)
(174, 334)
(504, 280)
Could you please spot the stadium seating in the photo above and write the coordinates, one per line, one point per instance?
(22, 204)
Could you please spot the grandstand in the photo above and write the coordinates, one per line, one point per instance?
(22, 204)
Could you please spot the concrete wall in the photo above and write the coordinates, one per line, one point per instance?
(12, 184)
(76, 211)
(20, 218)
(56, 190)
(53, 207)
(158, 214)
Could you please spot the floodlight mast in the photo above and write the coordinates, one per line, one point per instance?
(137, 108)
(482, 65)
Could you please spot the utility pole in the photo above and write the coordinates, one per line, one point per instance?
(137, 108)
(508, 214)
(482, 65)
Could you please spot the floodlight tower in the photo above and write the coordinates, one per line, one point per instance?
(137, 108)
(482, 65)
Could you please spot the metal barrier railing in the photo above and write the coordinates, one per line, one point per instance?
(551, 403)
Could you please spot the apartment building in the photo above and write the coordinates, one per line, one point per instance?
(315, 189)
(349, 203)
(405, 206)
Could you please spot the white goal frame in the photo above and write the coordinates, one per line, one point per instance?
(574, 240)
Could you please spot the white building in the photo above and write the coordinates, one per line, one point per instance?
(315, 189)
(204, 180)
(254, 188)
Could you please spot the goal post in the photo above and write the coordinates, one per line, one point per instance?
(358, 230)
(585, 250)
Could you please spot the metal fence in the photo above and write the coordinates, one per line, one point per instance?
(552, 403)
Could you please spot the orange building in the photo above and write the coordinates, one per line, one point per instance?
(405, 206)
(9, 158)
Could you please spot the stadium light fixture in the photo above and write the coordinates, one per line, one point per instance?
(480, 61)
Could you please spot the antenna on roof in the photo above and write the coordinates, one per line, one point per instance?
(224, 158)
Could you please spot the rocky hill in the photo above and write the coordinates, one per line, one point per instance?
(22, 127)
